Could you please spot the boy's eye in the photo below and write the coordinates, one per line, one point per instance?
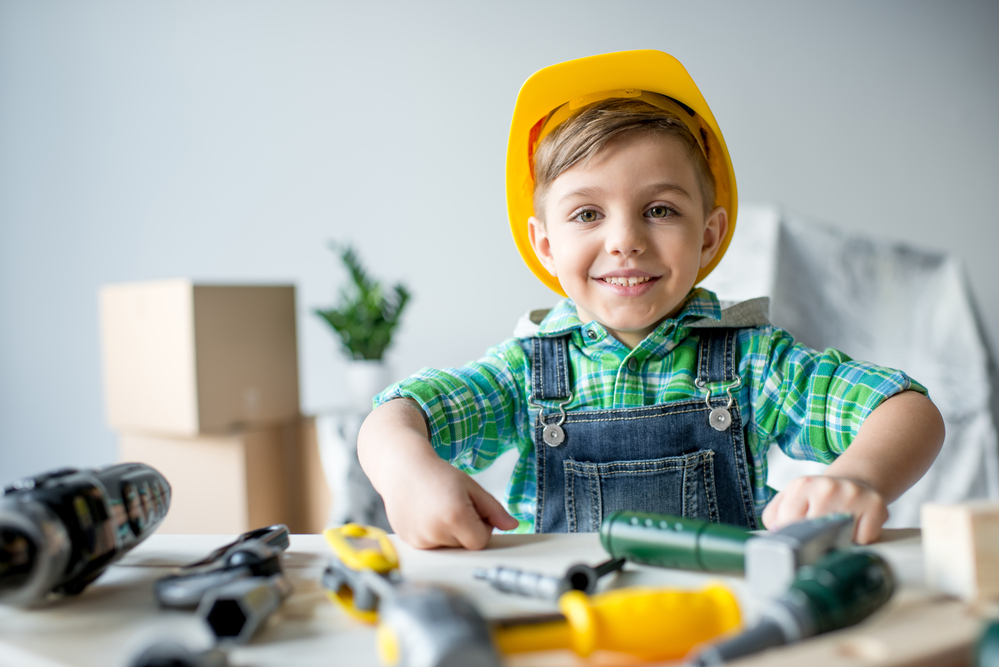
(586, 216)
(658, 212)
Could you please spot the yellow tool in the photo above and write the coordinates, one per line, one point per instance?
(428, 626)
(359, 550)
(652, 624)
(418, 625)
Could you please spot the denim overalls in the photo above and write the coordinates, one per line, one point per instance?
(664, 458)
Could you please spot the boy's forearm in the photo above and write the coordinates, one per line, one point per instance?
(896, 445)
(394, 433)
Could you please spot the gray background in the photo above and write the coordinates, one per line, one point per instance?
(229, 141)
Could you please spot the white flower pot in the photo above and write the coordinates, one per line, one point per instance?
(365, 379)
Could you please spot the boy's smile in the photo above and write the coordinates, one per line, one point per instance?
(625, 234)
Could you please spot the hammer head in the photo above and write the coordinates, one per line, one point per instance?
(427, 626)
(773, 559)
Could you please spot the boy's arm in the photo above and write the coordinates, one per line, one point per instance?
(428, 502)
(896, 444)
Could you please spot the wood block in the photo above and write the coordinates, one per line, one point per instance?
(961, 549)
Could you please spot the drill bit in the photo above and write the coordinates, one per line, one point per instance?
(579, 577)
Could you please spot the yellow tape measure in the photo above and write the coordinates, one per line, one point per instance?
(360, 549)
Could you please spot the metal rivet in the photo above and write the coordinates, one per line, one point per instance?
(591, 334)
(553, 435)
(632, 364)
(720, 419)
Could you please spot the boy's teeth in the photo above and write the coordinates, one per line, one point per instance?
(626, 282)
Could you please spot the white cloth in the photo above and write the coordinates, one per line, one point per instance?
(887, 303)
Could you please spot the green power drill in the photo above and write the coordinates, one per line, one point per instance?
(811, 580)
(840, 590)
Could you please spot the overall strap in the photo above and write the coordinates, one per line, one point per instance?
(716, 356)
(550, 367)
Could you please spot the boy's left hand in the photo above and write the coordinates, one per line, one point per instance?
(818, 495)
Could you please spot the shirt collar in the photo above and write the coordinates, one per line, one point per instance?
(699, 304)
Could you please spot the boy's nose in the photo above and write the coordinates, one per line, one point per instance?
(625, 236)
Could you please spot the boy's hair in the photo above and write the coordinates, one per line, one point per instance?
(585, 133)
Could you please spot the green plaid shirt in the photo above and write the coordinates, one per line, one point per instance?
(810, 404)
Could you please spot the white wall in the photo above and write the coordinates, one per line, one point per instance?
(229, 141)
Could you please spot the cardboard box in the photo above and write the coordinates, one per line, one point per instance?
(222, 485)
(313, 498)
(188, 359)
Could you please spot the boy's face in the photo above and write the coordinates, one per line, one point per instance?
(626, 234)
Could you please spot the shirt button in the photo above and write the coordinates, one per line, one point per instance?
(632, 365)
(591, 334)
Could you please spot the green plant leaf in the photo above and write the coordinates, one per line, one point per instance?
(367, 316)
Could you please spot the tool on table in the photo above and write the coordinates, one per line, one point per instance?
(60, 530)
(840, 590)
(986, 650)
(418, 625)
(769, 560)
(172, 654)
(579, 577)
(236, 587)
(427, 626)
(652, 624)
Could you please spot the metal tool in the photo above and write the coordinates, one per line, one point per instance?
(172, 654)
(418, 625)
(256, 553)
(60, 530)
(840, 590)
(234, 612)
(579, 577)
(986, 651)
(236, 587)
(770, 561)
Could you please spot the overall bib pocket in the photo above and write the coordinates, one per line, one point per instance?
(677, 485)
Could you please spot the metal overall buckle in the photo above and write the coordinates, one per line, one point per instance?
(719, 418)
(552, 434)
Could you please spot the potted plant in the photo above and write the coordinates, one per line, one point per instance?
(365, 320)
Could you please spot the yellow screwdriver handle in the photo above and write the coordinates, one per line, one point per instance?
(652, 624)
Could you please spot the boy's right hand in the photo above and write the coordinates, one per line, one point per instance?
(428, 502)
(436, 505)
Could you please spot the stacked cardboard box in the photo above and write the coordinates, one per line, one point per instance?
(201, 382)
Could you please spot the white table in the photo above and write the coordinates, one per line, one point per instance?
(117, 615)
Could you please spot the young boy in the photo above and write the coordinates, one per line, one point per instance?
(637, 391)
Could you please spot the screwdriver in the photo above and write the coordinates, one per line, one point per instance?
(649, 623)
(579, 577)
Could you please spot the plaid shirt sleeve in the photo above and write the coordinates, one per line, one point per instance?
(812, 403)
(476, 412)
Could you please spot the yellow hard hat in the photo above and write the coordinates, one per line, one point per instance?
(553, 93)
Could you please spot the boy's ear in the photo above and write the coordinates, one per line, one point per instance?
(538, 235)
(715, 229)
